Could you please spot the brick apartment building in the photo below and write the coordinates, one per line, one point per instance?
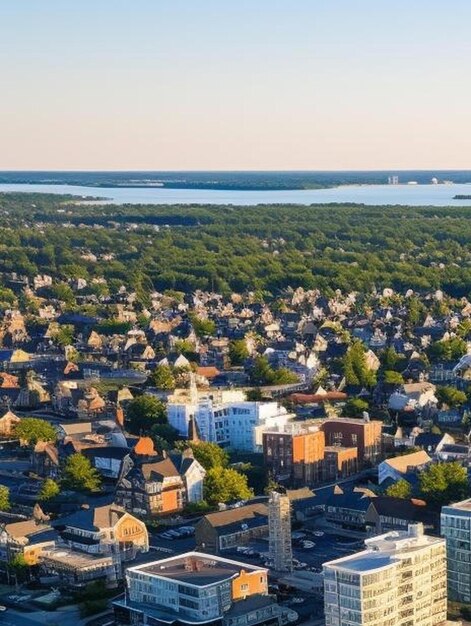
(363, 434)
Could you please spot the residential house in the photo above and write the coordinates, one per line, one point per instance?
(397, 467)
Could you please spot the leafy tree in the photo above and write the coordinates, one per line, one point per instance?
(164, 433)
(162, 377)
(208, 454)
(49, 490)
(19, 567)
(451, 396)
(238, 351)
(113, 327)
(449, 350)
(254, 395)
(185, 347)
(263, 374)
(390, 358)
(355, 368)
(65, 335)
(143, 413)
(355, 407)
(203, 327)
(224, 485)
(33, 429)
(401, 489)
(393, 378)
(4, 498)
(442, 483)
(415, 311)
(80, 475)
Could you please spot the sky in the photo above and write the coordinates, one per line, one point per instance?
(235, 84)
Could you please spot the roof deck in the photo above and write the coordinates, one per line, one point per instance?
(195, 568)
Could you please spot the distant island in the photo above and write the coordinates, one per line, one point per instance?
(461, 196)
(232, 181)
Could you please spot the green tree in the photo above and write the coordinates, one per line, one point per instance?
(49, 489)
(355, 407)
(224, 485)
(208, 454)
(442, 483)
(263, 374)
(238, 351)
(80, 475)
(143, 413)
(64, 336)
(162, 377)
(451, 396)
(393, 378)
(415, 311)
(449, 350)
(19, 568)
(33, 429)
(401, 489)
(390, 358)
(203, 327)
(164, 433)
(355, 368)
(4, 498)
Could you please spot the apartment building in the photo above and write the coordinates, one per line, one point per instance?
(363, 434)
(197, 588)
(294, 453)
(399, 580)
(456, 528)
(225, 417)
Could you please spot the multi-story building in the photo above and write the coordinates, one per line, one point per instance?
(152, 483)
(399, 580)
(294, 453)
(279, 531)
(196, 588)
(104, 529)
(225, 417)
(456, 528)
(363, 434)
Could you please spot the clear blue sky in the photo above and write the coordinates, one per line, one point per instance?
(235, 84)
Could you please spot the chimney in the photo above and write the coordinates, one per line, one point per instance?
(415, 530)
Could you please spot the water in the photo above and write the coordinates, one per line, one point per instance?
(412, 195)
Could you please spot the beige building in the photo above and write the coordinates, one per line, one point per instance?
(399, 580)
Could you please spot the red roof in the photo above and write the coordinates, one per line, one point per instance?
(208, 372)
(315, 398)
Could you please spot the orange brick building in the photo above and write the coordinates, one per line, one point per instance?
(363, 434)
(295, 455)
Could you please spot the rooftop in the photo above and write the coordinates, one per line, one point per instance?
(464, 505)
(385, 550)
(195, 568)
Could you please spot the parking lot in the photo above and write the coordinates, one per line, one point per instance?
(327, 548)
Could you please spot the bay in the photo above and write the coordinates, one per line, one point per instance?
(411, 195)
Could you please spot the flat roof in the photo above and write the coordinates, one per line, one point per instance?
(362, 562)
(74, 559)
(195, 568)
(384, 550)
